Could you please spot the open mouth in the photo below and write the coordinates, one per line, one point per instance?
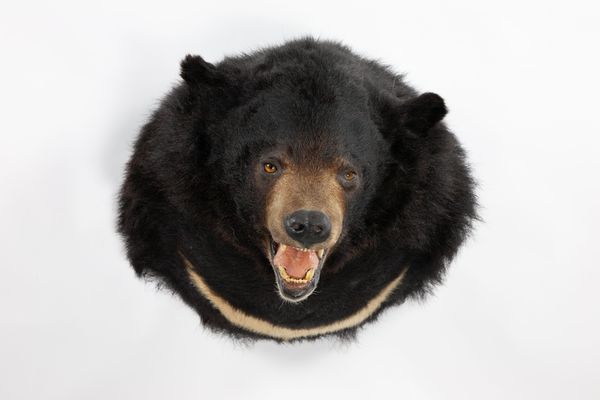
(297, 270)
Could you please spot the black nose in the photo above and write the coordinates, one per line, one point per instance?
(308, 227)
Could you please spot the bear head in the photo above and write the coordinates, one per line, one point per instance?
(295, 192)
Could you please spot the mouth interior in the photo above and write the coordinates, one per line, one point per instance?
(296, 266)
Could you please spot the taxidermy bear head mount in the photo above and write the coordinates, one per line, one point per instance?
(295, 192)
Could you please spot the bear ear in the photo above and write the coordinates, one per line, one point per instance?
(423, 112)
(196, 71)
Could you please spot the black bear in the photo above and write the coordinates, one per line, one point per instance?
(295, 192)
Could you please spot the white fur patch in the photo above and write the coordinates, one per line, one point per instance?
(253, 324)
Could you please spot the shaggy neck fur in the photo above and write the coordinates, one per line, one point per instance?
(242, 320)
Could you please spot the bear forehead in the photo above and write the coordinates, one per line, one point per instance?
(306, 97)
(335, 143)
(282, 122)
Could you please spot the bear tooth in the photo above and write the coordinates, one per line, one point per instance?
(282, 247)
(309, 274)
(282, 271)
(320, 253)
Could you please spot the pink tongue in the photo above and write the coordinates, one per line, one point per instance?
(296, 262)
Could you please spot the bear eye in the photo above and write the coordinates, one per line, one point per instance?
(348, 179)
(350, 176)
(269, 168)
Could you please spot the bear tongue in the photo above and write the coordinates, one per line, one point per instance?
(296, 262)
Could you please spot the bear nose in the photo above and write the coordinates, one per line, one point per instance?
(308, 227)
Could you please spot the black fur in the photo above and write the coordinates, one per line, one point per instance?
(189, 187)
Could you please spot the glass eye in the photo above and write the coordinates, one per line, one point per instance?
(269, 168)
(350, 176)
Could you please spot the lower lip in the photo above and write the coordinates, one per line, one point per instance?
(295, 291)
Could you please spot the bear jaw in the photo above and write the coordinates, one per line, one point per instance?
(295, 289)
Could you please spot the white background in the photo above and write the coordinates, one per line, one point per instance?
(518, 316)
